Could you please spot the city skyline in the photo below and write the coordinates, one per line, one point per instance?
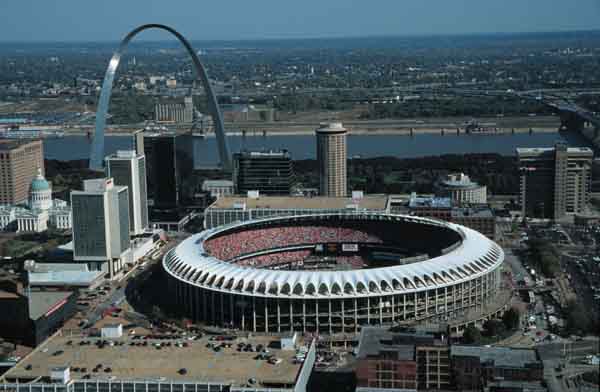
(70, 20)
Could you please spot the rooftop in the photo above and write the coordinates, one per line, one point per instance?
(334, 127)
(42, 302)
(473, 212)
(429, 202)
(10, 144)
(497, 356)
(263, 154)
(219, 183)
(542, 150)
(378, 203)
(458, 180)
(57, 274)
(374, 340)
(137, 362)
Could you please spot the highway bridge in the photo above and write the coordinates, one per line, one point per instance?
(572, 116)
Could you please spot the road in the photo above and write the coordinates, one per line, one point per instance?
(117, 294)
(115, 298)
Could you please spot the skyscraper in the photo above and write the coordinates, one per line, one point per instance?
(269, 172)
(101, 224)
(128, 168)
(19, 164)
(331, 158)
(169, 167)
(554, 181)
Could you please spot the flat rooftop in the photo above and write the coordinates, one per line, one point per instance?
(430, 202)
(498, 356)
(479, 212)
(10, 144)
(41, 302)
(374, 202)
(149, 363)
(62, 274)
(542, 150)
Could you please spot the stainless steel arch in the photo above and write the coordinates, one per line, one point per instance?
(97, 149)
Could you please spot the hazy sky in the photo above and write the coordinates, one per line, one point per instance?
(76, 20)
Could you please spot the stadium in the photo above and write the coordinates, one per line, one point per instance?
(332, 273)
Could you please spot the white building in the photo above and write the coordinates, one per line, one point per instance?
(101, 225)
(112, 331)
(127, 168)
(40, 212)
(460, 188)
(218, 188)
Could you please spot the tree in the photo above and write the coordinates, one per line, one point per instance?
(578, 319)
(511, 318)
(472, 335)
(493, 327)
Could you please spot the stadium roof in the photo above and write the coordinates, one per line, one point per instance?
(372, 202)
(474, 256)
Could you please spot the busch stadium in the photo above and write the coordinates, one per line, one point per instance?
(334, 273)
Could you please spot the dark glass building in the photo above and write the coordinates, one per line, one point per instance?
(270, 173)
(169, 167)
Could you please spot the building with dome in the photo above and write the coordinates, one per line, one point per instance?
(40, 211)
(461, 189)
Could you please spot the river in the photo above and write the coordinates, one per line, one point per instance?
(365, 146)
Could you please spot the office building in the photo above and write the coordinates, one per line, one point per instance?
(384, 363)
(555, 181)
(478, 217)
(127, 168)
(270, 172)
(169, 167)
(218, 188)
(331, 158)
(101, 224)
(475, 367)
(19, 164)
(413, 359)
(29, 317)
(229, 209)
(460, 188)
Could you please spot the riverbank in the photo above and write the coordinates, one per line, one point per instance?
(303, 146)
(301, 126)
(289, 131)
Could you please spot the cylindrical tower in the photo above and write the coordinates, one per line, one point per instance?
(331, 157)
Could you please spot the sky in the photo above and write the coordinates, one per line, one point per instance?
(108, 20)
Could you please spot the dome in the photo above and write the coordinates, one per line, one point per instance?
(40, 193)
(39, 183)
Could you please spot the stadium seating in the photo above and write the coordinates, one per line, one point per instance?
(233, 245)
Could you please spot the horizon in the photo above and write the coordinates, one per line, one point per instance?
(84, 21)
(168, 39)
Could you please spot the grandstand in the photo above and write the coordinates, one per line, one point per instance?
(332, 273)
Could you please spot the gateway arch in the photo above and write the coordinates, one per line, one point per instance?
(97, 149)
